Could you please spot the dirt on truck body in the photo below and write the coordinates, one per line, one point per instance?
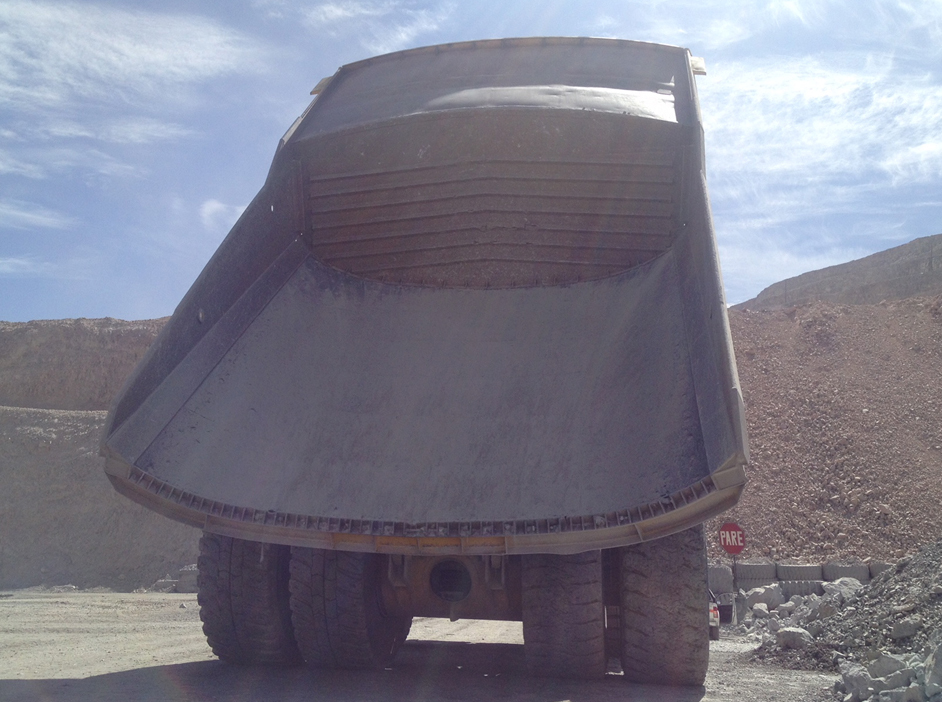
(465, 355)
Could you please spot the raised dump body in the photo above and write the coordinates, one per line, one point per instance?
(475, 310)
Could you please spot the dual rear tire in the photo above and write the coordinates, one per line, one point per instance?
(662, 634)
(265, 604)
(564, 615)
(664, 610)
(337, 612)
(244, 604)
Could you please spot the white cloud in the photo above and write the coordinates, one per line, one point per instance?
(816, 160)
(142, 130)
(774, 25)
(332, 12)
(54, 53)
(381, 26)
(87, 162)
(126, 130)
(11, 165)
(699, 25)
(217, 216)
(69, 267)
(23, 215)
(75, 73)
(920, 162)
(604, 23)
(17, 267)
(813, 119)
(804, 11)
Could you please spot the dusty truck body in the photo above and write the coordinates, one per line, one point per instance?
(465, 354)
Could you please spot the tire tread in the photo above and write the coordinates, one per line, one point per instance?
(337, 613)
(243, 598)
(665, 621)
(563, 615)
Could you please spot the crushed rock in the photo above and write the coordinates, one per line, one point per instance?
(910, 592)
(844, 413)
(859, 626)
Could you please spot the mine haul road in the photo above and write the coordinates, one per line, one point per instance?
(78, 646)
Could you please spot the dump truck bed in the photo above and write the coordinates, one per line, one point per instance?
(475, 308)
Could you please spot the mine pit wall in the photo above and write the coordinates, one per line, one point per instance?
(60, 520)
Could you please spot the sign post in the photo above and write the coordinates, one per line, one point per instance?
(733, 541)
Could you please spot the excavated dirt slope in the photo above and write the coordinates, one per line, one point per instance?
(69, 364)
(844, 408)
(62, 522)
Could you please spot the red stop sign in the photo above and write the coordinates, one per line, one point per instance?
(732, 538)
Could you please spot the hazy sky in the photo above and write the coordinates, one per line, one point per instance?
(132, 134)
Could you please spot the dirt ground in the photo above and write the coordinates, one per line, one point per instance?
(77, 646)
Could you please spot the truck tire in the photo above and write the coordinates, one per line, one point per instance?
(563, 615)
(789, 571)
(243, 598)
(665, 615)
(755, 574)
(802, 588)
(337, 610)
(835, 571)
(720, 578)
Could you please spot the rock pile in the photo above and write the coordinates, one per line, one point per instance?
(885, 638)
(844, 411)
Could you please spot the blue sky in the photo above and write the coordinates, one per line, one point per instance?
(132, 134)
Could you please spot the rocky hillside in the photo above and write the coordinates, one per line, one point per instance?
(913, 269)
(844, 409)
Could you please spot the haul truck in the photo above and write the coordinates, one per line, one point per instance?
(465, 355)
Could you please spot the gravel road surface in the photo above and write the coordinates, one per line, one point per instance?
(78, 646)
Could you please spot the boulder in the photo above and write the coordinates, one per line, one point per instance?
(857, 681)
(769, 595)
(913, 693)
(901, 678)
(165, 584)
(933, 672)
(842, 589)
(885, 664)
(793, 637)
(822, 609)
(907, 627)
